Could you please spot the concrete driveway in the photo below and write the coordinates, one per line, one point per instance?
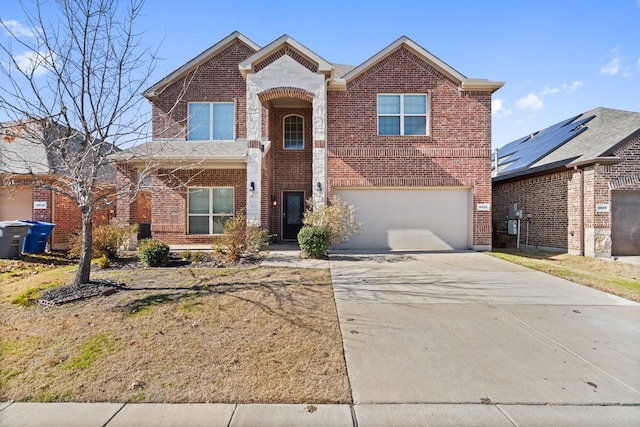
(466, 328)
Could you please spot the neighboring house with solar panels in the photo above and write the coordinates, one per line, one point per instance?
(403, 136)
(579, 180)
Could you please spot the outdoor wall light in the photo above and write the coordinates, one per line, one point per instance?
(319, 185)
(252, 188)
(274, 201)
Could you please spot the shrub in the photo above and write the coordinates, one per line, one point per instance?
(313, 241)
(106, 239)
(338, 218)
(153, 252)
(198, 256)
(240, 237)
(186, 254)
(102, 262)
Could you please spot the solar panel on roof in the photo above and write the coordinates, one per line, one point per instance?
(524, 152)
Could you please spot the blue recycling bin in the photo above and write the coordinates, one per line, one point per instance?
(35, 241)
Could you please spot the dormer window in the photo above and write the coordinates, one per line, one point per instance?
(211, 121)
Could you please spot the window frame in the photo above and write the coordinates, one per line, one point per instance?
(211, 105)
(284, 132)
(402, 115)
(210, 215)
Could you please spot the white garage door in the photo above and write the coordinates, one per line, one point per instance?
(15, 203)
(410, 219)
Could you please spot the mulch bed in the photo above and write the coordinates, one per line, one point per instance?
(69, 293)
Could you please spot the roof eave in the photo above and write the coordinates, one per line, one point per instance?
(608, 160)
(157, 88)
(480, 85)
(246, 66)
(436, 62)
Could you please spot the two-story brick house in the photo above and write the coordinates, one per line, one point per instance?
(403, 136)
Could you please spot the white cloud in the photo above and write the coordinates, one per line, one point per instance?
(549, 91)
(530, 102)
(498, 109)
(17, 29)
(612, 68)
(37, 62)
(573, 87)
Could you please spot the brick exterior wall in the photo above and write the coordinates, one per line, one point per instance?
(546, 199)
(217, 80)
(169, 200)
(456, 152)
(554, 200)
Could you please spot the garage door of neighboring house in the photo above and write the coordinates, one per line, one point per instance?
(15, 203)
(410, 219)
(625, 222)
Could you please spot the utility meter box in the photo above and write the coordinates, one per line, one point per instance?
(512, 227)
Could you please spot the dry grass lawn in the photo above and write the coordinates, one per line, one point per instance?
(176, 335)
(614, 277)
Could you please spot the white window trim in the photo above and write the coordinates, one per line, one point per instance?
(211, 104)
(402, 115)
(284, 147)
(211, 215)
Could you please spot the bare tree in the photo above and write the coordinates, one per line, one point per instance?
(71, 78)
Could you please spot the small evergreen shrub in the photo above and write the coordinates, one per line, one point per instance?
(153, 252)
(313, 241)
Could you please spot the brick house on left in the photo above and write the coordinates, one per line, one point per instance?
(403, 136)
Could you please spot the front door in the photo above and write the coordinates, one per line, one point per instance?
(293, 210)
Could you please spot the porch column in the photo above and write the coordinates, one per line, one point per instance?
(254, 154)
(319, 167)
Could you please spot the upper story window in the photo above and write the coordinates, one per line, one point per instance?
(211, 121)
(402, 114)
(293, 133)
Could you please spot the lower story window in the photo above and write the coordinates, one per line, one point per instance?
(209, 208)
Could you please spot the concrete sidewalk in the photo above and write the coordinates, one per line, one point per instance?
(458, 339)
(301, 415)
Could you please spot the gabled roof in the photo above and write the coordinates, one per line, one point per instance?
(157, 88)
(284, 40)
(465, 83)
(590, 137)
(31, 152)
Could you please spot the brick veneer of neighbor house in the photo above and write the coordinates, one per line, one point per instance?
(455, 153)
(546, 199)
(560, 210)
(599, 181)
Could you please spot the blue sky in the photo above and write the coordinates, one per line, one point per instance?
(558, 58)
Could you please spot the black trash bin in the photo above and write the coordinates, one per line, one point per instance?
(12, 234)
(36, 240)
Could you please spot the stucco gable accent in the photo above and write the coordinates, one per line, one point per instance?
(279, 47)
(464, 83)
(205, 56)
(285, 92)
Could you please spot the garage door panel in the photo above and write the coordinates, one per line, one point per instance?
(15, 203)
(409, 219)
(625, 226)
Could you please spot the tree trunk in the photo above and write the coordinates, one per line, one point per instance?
(84, 266)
